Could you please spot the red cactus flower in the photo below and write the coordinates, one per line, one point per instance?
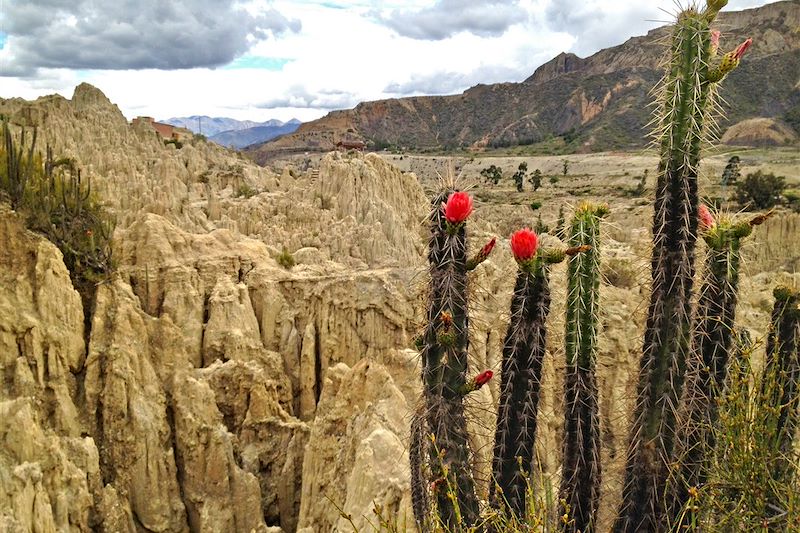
(706, 218)
(523, 244)
(458, 207)
(742, 48)
(483, 378)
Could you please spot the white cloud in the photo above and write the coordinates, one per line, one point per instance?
(341, 54)
(448, 17)
(85, 34)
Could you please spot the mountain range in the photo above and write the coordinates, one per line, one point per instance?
(234, 133)
(573, 104)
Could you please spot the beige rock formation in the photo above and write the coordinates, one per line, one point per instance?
(760, 132)
(357, 441)
(49, 470)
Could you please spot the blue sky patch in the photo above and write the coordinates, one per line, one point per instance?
(2, 40)
(259, 62)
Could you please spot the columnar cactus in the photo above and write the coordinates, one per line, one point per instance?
(521, 373)
(444, 360)
(686, 96)
(707, 369)
(782, 373)
(420, 502)
(580, 485)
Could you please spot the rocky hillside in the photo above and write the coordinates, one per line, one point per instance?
(580, 104)
(210, 372)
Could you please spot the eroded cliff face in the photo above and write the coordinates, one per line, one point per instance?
(217, 390)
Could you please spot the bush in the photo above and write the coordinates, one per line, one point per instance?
(793, 199)
(285, 259)
(245, 191)
(760, 190)
(492, 174)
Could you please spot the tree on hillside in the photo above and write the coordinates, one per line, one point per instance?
(760, 190)
(732, 171)
(492, 174)
(535, 179)
(519, 175)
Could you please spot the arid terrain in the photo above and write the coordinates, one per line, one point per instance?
(218, 390)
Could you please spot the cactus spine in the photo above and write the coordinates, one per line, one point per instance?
(444, 359)
(520, 385)
(712, 342)
(580, 485)
(686, 90)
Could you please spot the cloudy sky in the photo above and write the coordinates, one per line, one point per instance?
(266, 59)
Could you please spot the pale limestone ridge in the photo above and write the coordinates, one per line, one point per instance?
(192, 405)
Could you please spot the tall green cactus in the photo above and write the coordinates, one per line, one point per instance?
(521, 374)
(444, 359)
(712, 342)
(580, 484)
(19, 166)
(420, 502)
(686, 94)
(782, 371)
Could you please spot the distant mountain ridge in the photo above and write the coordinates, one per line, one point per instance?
(210, 126)
(257, 134)
(234, 133)
(576, 104)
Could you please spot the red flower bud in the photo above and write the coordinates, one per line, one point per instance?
(524, 244)
(742, 48)
(458, 207)
(488, 247)
(483, 378)
(705, 216)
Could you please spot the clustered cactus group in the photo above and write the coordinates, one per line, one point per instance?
(686, 351)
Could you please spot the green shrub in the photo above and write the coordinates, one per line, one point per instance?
(176, 142)
(492, 174)
(245, 191)
(285, 259)
(793, 199)
(760, 190)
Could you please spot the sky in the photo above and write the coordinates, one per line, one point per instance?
(261, 59)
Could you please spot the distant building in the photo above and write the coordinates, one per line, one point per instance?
(167, 131)
(351, 145)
